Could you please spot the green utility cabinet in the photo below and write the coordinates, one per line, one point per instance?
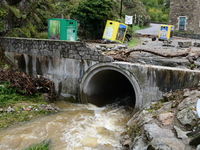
(62, 29)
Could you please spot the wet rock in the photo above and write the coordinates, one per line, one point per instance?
(142, 117)
(153, 131)
(162, 139)
(180, 134)
(115, 47)
(118, 47)
(103, 41)
(165, 107)
(153, 38)
(196, 44)
(167, 43)
(100, 48)
(166, 144)
(191, 93)
(195, 140)
(168, 96)
(188, 116)
(138, 144)
(144, 43)
(160, 146)
(49, 107)
(166, 118)
(9, 110)
(156, 132)
(194, 131)
(187, 102)
(45, 96)
(125, 139)
(29, 108)
(185, 44)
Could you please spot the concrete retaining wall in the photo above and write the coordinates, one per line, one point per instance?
(63, 62)
(76, 69)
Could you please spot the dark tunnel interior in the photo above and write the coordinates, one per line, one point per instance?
(110, 86)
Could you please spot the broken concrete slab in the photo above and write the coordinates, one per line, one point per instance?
(185, 44)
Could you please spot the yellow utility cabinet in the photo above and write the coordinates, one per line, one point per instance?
(115, 31)
(166, 32)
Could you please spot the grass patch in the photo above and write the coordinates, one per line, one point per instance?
(134, 42)
(40, 146)
(183, 32)
(155, 106)
(10, 98)
(42, 35)
(16, 117)
(136, 27)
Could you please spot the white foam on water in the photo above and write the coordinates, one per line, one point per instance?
(77, 127)
(101, 127)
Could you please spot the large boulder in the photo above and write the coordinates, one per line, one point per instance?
(188, 116)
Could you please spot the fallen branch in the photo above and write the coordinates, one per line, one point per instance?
(155, 53)
(26, 84)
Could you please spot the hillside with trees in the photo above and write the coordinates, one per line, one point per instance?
(28, 18)
(158, 10)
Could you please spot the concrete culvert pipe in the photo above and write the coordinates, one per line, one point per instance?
(108, 84)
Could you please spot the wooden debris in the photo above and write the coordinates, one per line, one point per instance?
(27, 84)
(155, 53)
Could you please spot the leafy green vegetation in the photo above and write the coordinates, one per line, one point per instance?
(29, 18)
(158, 10)
(41, 146)
(92, 16)
(9, 96)
(136, 7)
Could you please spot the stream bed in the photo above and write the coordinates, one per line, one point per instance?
(75, 127)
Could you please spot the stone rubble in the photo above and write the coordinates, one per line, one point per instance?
(34, 107)
(176, 46)
(169, 124)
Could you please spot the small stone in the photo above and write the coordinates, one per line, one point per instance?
(158, 146)
(127, 142)
(28, 108)
(166, 118)
(9, 110)
(185, 44)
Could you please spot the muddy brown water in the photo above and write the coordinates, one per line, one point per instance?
(76, 127)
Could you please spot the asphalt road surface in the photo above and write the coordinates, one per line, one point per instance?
(152, 30)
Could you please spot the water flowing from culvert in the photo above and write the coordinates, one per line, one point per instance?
(76, 127)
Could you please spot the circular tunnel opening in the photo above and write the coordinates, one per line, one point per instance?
(109, 86)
